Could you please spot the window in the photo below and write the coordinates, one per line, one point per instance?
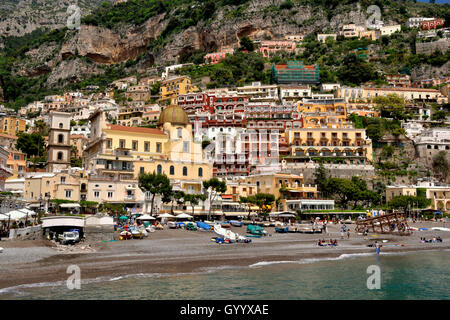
(159, 169)
(141, 170)
(61, 125)
(179, 132)
(60, 138)
(96, 194)
(134, 145)
(146, 146)
(186, 146)
(185, 171)
(158, 147)
(108, 143)
(16, 157)
(63, 179)
(200, 172)
(60, 155)
(110, 194)
(68, 193)
(172, 170)
(122, 143)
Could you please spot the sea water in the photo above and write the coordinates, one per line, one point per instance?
(412, 275)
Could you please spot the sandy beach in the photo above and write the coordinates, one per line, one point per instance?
(182, 251)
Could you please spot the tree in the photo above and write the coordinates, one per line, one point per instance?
(264, 201)
(391, 106)
(194, 200)
(179, 197)
(32, 144)
(246, 44)
(405, 202)
(215, 186)
(320, 179)
(355, 70)
(155, 184)
(441, 165)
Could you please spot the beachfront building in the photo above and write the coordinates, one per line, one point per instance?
(174, 86)
(438, 194)
(295, 72)
(366, 94)
(347, 145)
(63, 185)
(12, 126)
(268, 47)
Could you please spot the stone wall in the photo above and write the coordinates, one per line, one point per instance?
(28, 233)
(99, 233)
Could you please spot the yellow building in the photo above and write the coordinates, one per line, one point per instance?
(293, 185)
(325, 113)
(61, 185)
(438, 194)
(16, 162)
(122, 152)
(12, 126)
(352, 146)
(172, 87)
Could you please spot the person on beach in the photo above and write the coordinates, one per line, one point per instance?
(377, 247)
(348, 234)
(342, 233)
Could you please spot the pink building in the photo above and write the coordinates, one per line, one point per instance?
(432, 24)
(269, 46)
(215, 57)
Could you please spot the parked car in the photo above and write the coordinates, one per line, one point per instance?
(71, 237)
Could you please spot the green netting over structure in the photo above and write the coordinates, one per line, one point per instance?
(295, 72)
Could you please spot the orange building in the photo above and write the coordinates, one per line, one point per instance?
(16, 162)
(270, 46)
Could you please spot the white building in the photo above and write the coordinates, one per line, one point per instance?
(415, 21)
(325, 87)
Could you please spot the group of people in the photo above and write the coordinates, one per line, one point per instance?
(435, 239)
(345, 230)
(323, 243)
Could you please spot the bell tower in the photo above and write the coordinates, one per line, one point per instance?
(58, 148)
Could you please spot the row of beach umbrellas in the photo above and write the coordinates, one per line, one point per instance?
(164, 215)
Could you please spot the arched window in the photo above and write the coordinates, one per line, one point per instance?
(60, 155)
(61, 125)
(179, 132)
(172, 170)
(200, 172)
(60, 138)
(185, 171)
(159, 169)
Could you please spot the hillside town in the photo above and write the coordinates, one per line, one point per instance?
(293, 146)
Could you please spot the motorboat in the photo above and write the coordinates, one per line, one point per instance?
(236, 223)
(256, 230)
(282, 229)
(228, 235)
(125, 235)
(203, 226)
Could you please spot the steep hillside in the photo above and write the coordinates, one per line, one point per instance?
(131, 37)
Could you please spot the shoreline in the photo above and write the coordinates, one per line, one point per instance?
(171, 252)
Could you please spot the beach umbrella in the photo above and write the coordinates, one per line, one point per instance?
(146, 217)
(30, 212)
(166, 215)
(123, 218)
(3, 217)
(16, 215)
(184, 216)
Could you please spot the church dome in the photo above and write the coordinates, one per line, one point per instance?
(173, 115)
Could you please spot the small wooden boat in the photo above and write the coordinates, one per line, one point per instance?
(225, 224)
(282, 229)
(125, 235)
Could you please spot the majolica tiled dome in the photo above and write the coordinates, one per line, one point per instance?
(173, 115)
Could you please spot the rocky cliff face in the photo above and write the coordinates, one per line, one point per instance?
(105, 46)
(19, 17)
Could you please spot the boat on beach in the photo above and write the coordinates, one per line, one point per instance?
(172, 225)
(282, 229)
(236, 223)
(256, 230)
